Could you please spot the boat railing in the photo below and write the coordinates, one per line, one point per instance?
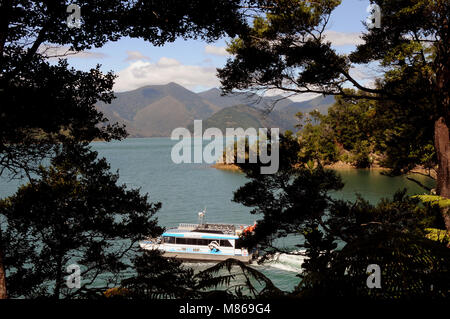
(187, 226)
(227, 228)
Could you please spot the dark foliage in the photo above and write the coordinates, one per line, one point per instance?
(340, 239)
(287, 49)
(159, 277)
(76, 213)
(74, 209)
(42, 103)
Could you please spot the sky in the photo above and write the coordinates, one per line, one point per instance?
(193, 63)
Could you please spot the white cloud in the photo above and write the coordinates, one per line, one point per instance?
(142, 73)
(361, 73)
(293, 97)
(55, 52)
(304, 97)
(135, 55)
(365, 75)
(168, 62)
(343, 38)
(215, 50)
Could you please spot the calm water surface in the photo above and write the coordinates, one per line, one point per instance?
(185, 189)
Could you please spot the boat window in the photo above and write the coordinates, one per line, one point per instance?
(187, 241)
(196, 241)
(180, 241)
(169, 240)
(191, 241)
(225, 243)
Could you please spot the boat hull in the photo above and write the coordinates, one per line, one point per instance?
(206, 257)
(198, 256)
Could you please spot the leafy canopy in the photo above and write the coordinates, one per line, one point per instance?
(75, 213)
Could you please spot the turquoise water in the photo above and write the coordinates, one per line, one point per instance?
(185, 189)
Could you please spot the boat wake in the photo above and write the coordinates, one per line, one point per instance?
(287, 262)
(280, 261)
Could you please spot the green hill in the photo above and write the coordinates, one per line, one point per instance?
(214, 96)
(243, 116)
(156, 110)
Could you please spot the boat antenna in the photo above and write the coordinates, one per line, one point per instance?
(201, 216)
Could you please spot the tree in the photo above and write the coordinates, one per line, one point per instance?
(165, 278)
(286, 49)
(396, 136)
(411, 267)
(353, 122)
(317, 140)
(34, 124)
(340, 238)
(290, 199)
(32, 91)
(390, 234)
(44, 105)
(417, 55)
(159, 277)
(75, 214)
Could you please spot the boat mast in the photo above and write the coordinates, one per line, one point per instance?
(201, 216)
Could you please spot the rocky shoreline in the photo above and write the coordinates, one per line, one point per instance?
(336, 166)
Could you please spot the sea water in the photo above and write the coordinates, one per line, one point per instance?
(185, 189)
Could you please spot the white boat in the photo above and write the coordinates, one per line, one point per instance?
(202, 242)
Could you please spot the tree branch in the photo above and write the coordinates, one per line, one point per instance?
(419, 183)
(359, 86)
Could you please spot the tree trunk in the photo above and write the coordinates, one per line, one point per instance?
(442, 145)
(441, 126)
(3, 291)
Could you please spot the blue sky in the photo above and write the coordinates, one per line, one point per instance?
(192, 63)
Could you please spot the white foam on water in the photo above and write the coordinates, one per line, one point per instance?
(287, 262)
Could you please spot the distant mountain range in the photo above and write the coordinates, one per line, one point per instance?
(156, 110)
